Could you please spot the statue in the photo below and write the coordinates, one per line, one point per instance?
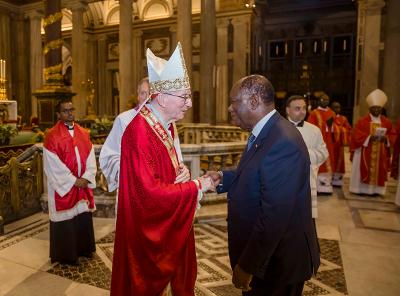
(91, 114)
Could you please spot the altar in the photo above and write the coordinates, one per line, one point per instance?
(8, 112)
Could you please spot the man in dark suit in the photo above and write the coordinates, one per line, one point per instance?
(272, 240)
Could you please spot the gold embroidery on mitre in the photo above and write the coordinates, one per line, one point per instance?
(170, 85)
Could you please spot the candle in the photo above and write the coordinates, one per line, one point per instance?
(301, 47)
(285, 48)
(1, 69)
(315, 46)
(276, 50)
(325, 44)
(344, 45)
(259, 50)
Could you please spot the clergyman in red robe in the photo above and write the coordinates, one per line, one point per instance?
(369, 147)
(343, 139)
(323, 117)
(154, 251)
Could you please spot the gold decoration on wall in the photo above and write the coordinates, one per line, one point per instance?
(53, 69)
(52, 45)
(52, 18)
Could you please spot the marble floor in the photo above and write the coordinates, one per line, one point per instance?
(359, 239)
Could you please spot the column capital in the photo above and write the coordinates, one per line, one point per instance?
(137, 33)
(101, 37)
(222, 23)
(173, 29)
(371, 4)
(77, 5)
(34, 14)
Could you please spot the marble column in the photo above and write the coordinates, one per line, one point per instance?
(207, 61)
(172, 31)
(368, 47)
(222, 92)
(137, 74)
(79, 58)
(240, 43)
(36, 58)
(125, 54)
(103, 103)
(184, 36)
(391, 65)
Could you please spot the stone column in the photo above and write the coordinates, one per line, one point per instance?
(184, 36)
(391, 66)
(207, 61)
(125, 54)
(5, 46)
(222, 92)
(78, 58)
(368, 46)
(103, 103)
(172, 31)
(137, 60)
(240, 43)
(36, 59)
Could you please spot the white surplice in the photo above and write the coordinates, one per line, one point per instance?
(318, 154)
(60, 179)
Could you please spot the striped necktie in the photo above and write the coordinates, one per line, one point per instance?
(250, 141)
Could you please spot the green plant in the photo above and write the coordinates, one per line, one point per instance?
(101, 127)
(6, 133)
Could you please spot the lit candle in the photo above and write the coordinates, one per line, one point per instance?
(325, 44)
(344, 45)
(285, 48)
(301, 47)
(315, 46)
(1, 69)
(276, 50)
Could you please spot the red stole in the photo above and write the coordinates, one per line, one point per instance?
(375, 158)
(154, 239)
(319, 117)
(343, 129)
(59, 141)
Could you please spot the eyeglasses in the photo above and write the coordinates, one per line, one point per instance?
(186, 97)
(68, 110)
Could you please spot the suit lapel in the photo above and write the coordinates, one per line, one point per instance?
(247, 156)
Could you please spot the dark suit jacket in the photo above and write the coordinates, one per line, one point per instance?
(270, 229)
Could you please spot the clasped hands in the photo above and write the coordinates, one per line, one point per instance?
(81, 183)
(209, 181)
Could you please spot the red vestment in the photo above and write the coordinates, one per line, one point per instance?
(59, 141)
(344, 129)
(375, 158)
(396, 151)
(330, 135)
(154, 239)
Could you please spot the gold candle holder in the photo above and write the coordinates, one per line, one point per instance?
(3, 89)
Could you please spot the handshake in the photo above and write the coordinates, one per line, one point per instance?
(206, 183)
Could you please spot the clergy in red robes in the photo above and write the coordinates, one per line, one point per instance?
(344, 130)
(323, 117)
(70, 167)
(154, 251)
(369, 145)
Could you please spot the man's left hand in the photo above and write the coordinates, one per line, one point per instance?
(184, 174)
(241, 279)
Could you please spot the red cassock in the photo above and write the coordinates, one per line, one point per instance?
(319, 117)
(59, 141)
(344, 129)
(154, 239)
(375, 158)
(396, 152)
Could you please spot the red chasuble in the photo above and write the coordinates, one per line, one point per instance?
(319, 117)
(59, 141)
(375, 159)
(154, 239)
(344, 129)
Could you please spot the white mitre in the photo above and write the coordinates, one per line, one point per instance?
(166, 76)
(376, 98)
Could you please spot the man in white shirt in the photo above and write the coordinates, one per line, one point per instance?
(296, 110)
